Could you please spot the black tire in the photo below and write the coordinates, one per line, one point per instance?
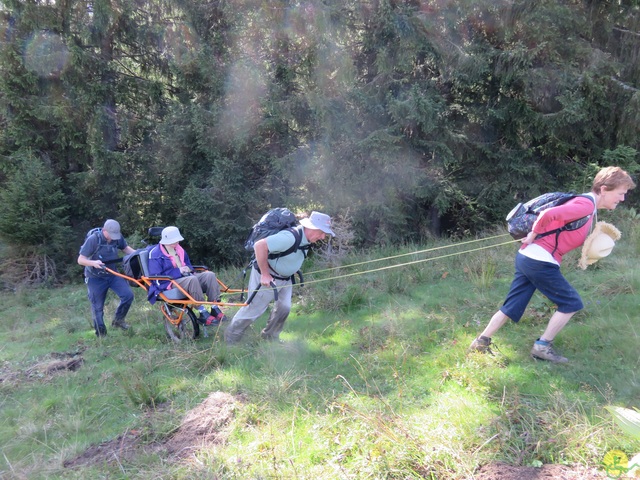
(188, 329)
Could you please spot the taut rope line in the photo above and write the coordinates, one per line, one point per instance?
(388, 267)
(410, 253)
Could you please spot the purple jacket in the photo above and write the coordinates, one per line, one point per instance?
(160, 264)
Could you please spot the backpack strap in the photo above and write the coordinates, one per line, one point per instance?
(297, 234)
(293, 278)
(96, 232)
(566, 227)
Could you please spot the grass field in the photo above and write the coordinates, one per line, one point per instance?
(373, 381)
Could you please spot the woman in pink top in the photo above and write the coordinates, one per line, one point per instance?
(537, 263)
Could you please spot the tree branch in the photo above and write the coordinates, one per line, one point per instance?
(624, 30)
(624, 85)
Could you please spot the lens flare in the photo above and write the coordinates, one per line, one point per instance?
(46, 54)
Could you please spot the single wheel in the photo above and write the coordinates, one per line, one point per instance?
(188, 328)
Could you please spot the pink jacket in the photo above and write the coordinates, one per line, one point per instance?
(558, 217)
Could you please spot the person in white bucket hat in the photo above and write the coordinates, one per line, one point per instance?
(599, 244)
(318, 221)
(169, 259)
(277, 261)
(537, 263)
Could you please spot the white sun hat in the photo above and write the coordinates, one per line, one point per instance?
(598, 244)
(318, 221)
(170, 235)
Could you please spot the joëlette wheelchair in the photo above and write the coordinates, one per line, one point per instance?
(176, 305)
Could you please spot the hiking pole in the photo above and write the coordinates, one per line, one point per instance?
(275, 292)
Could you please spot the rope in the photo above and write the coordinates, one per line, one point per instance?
(410, 253)
(388, 267)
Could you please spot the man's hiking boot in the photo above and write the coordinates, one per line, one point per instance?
(481, 344)
(546, 352)
(120, 323)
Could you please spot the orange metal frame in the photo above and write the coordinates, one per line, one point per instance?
(188, 301)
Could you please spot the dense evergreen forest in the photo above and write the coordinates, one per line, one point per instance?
(404, 119)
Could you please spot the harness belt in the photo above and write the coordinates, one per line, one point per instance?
(254, 264)
(271, 272)
(278, 277)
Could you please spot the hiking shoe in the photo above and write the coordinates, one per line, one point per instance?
(219, 318)
(206, 319)
(218, 315)
(120, 323)
(101, 332)
(482, 345)
(546, 352)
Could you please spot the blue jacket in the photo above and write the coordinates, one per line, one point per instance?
(161, 265)
(97, 247)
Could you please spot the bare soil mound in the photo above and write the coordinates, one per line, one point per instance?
(202, 427)
(45, 368)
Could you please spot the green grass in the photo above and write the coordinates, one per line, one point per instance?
(373, 382)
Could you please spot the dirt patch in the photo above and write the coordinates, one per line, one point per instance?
(122, 448)
(204, 426)
(502, 471)
(52, 364)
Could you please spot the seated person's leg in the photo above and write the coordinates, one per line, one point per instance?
(209, 285)
(192, 285)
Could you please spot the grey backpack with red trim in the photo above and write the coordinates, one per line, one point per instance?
(522, 217)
